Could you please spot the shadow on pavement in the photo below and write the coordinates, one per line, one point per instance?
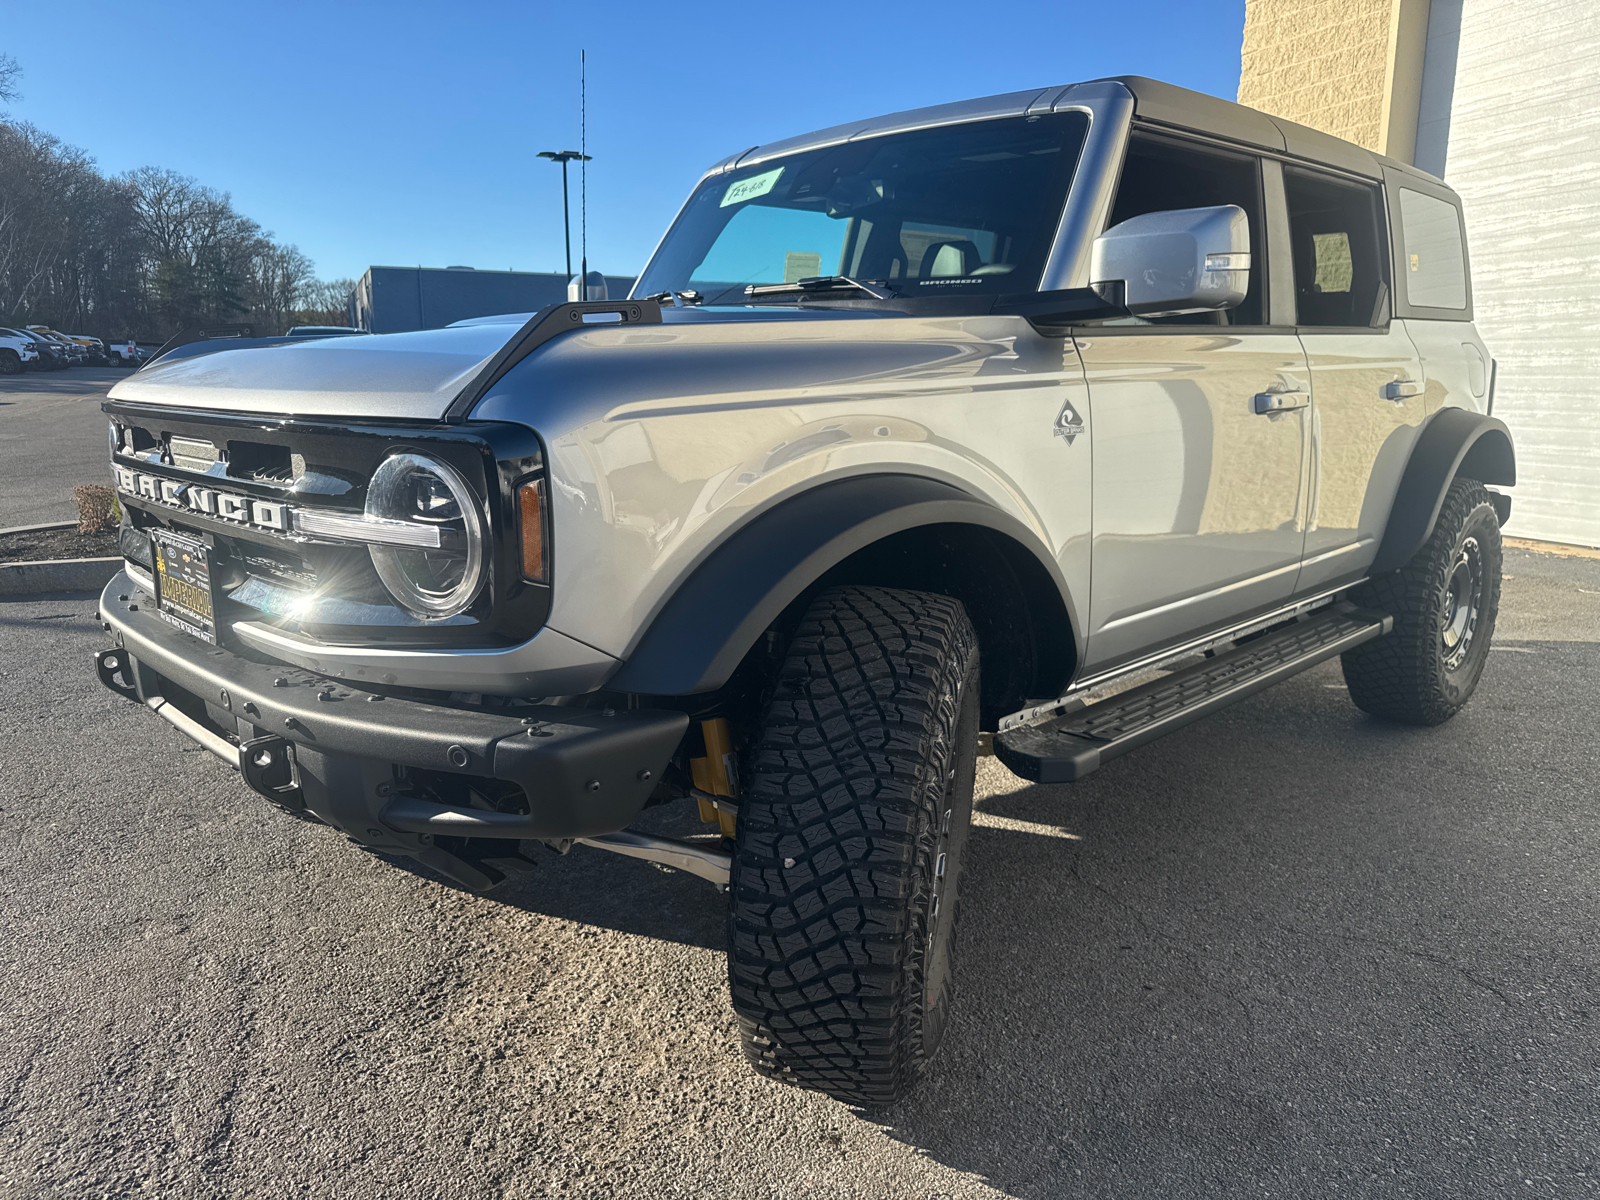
(594, 887)
(1293, 947)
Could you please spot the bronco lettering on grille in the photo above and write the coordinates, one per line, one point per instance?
(265, 514)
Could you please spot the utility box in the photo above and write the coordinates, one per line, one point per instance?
(397, 299)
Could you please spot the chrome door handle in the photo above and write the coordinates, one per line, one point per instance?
(1271, 402)
(1401, 389)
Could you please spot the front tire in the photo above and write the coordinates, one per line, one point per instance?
(10, 362)
(1444, 602)
(847, 869)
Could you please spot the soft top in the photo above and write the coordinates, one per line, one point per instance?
(1154, 102)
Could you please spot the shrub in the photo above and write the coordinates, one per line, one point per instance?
(97, 507)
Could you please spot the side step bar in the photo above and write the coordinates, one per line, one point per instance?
(1068, 747)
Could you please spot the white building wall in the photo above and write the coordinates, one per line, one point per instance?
(1524, 153)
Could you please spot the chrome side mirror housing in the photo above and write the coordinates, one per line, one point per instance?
(1184, 260)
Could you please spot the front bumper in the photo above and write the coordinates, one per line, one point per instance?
(316, 746)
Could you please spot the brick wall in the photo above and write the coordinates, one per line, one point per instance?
(1323, 63)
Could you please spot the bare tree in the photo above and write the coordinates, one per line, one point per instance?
(146, 254)
(279, 275)
(325, 302)
(10, 77)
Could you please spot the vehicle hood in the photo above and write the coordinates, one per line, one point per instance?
(390, 376)
(398, 376)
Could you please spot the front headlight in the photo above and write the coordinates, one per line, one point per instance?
(428, 583)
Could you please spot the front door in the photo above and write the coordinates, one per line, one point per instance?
(1197, 496)
(1198, 487)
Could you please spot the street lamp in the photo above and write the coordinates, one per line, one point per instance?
(564, 157)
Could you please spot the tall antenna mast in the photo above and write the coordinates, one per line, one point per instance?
(583, 168)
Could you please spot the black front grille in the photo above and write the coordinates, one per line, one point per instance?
(320, 586)
(262, 462)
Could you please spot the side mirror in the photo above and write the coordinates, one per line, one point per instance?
(1185, 260)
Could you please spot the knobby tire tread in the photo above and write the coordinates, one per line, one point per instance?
(825, 955)
(1401, 677)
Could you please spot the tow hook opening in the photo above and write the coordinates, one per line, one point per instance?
(268, 766)
(116, 672)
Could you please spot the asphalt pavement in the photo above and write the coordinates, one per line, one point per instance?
(1288, 951)
(52, 438)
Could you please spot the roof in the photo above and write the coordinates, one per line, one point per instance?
(1155, 102)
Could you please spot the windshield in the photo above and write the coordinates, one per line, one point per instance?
(959, 208)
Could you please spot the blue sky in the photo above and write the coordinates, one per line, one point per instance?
(406, 133)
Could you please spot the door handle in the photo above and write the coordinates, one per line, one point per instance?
(1401, 389)
(1271, 402)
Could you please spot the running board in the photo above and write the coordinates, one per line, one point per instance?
(1070, 746)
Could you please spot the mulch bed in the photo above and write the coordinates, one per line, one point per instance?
(43, 544)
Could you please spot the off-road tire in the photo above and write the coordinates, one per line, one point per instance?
(1423, 672)
(10, 362)
(845, 890)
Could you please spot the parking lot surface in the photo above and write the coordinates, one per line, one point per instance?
(52, 438)
(1289, 951)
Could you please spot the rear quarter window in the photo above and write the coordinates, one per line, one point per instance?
(1435, 266)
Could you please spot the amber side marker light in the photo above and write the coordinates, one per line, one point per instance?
(535, 546)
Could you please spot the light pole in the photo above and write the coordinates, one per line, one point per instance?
(564, 157)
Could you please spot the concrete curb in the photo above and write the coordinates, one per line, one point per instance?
(39, 528)
(1566, 550)
(58, 575)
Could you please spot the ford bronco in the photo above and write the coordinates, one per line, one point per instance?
(1069, 416)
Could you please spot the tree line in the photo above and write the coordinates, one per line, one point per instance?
(145, 254)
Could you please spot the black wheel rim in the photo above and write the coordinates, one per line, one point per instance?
(1461, 602)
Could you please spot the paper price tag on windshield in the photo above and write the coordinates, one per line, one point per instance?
(800, 264)
(749, 189)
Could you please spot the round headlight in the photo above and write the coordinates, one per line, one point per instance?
(433, 583)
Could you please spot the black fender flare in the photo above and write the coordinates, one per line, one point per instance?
(711, 621)
(1455, 441)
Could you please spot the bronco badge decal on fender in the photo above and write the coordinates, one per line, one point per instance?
(1068, 423)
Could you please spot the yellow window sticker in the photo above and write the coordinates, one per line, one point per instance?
(749, 189)
(1415, 264)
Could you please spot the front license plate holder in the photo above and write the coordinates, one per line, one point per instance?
(185, 596)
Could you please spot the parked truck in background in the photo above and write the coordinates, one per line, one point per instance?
(92, 349)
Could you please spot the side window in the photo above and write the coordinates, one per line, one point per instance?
(1160, 175)
(1338, 250)
(1436, 259)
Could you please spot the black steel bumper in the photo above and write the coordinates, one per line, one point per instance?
(315, 746)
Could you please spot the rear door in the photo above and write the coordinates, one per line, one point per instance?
(1366, 377)
(1198, 497)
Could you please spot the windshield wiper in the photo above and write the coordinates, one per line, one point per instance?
(817, 283)
(676, 299)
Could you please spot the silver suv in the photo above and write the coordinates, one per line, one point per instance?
(1070, 415)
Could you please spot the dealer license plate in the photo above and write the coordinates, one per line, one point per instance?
(183, 584)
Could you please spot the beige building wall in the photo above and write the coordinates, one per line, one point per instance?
(1352, 68)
